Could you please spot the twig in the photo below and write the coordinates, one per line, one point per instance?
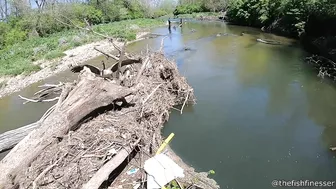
(184, 103)
(47, 113)
(46, 170)
(106, 54)
(156, 88)
(120, 60)
(176, 109)
(178, 183)
(162, 43)
(51, 85)
(141, 70)
(43, 90)
(32, 100)
(92, 155)
(83, 153)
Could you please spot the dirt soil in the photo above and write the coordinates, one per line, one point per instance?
(74, 56)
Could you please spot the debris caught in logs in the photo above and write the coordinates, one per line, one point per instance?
(324, 66)
(99, 125)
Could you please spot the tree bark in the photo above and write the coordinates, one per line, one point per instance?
(89, 96)
(10, 138)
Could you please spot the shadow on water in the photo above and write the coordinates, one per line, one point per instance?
(261, 113)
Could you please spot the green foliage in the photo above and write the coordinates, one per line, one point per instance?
(211, 172)
(289, 15)
(17, 66)
(17, 58)
(4, 28)
(14, 35)
(91, 14)
(190, 8)
(119, 10)
(247, 12)
(173, 185)
(158, 13)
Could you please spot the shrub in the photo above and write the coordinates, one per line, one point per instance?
(4, 28)
(14, 35)
(190, 8)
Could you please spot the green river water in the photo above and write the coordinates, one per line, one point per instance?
(261, 112)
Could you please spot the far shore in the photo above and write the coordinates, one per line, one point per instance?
(75, 56)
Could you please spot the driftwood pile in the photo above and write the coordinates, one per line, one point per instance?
(325, 66)
(96, 125)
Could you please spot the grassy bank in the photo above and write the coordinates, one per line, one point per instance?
(19, 58)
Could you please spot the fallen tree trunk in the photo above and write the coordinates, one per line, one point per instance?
(84, 100)
(10, 138)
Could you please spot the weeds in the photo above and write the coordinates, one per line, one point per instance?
(54, 54)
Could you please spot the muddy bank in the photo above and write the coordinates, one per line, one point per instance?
(74, 56)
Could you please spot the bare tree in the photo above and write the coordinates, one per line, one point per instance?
(3, 9)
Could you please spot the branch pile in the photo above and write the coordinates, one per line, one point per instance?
(96, 124)
(325, 66)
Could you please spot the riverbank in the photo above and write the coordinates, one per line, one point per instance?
(74, 56)
(71, 56)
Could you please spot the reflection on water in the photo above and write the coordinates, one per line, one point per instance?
(261, 113)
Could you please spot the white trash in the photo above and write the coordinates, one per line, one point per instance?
(161, 170)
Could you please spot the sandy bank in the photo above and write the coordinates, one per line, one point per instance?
(77, 55)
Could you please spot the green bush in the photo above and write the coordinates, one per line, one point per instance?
(4, 28)
(190, 8)
(289, 15)
(14, 35)
(79, 12)
(158, 13)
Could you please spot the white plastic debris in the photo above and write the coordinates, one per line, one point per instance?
(161, 170)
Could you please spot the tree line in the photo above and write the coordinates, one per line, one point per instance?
(21, 19)
(287, 17)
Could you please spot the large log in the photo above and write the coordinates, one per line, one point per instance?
(90, 96)
(10, 138)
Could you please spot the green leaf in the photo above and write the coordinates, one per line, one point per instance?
(211, 172)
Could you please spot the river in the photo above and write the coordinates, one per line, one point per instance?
(261, 112)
